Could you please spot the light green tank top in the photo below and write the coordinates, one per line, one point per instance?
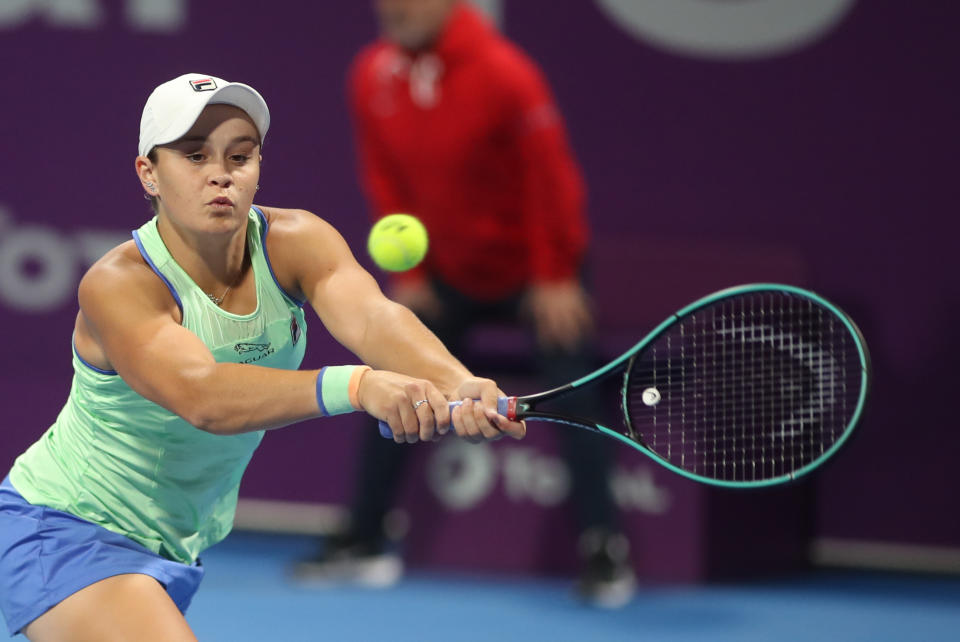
(121, 461)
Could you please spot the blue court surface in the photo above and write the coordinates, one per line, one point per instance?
(247, 596)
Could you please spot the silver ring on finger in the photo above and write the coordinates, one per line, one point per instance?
(417, 404)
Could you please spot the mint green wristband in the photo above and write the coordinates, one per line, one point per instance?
(333, 390)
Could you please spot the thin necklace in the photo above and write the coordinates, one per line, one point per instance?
(218, 300)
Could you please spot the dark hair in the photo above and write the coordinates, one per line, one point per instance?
(154, 201)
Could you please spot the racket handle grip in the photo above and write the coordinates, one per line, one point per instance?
(506, 406)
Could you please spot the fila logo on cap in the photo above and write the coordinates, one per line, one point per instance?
(203, 84)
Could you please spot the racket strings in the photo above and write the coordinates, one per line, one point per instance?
(749, 388)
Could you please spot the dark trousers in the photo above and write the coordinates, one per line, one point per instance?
(588, 455)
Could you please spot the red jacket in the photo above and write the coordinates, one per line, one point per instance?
(466, 137)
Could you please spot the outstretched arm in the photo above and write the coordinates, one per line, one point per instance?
(129, 321)
(317, 262)
(126, 315)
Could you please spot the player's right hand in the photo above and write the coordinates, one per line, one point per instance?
(392, 397)
(476, 419)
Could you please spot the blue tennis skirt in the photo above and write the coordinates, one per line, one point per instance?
(46, 555)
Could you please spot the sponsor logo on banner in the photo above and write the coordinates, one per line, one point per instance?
(40, 265)
(463, 475)
(718, 29)
(713, 29)
(157, 16)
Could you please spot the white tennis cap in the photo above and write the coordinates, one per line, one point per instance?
(174, 107)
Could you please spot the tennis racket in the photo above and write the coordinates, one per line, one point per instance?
(751, 386)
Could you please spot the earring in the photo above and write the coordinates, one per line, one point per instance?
(150, 186)
(257, 187)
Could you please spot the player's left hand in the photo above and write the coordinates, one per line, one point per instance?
(415, 409)
(477, 419)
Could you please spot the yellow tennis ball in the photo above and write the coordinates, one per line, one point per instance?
(397, 242)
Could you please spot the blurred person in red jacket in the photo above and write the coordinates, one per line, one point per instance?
(457, 126)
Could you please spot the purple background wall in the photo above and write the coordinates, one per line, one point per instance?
(828, 166)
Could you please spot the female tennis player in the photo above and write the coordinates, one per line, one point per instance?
(186, 348)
